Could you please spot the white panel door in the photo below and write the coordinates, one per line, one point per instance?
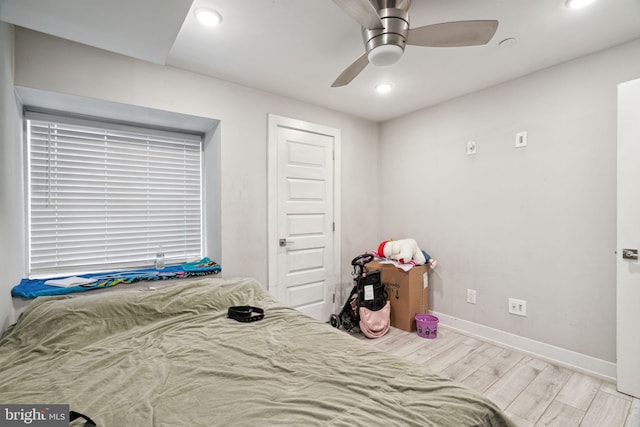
(628, 269)
(303, 267)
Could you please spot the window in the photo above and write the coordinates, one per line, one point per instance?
(104, 196)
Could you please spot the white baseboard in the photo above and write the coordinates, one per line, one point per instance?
(557, 355)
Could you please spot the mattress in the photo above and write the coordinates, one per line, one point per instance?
(172, 357)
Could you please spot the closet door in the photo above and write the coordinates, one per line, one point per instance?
(304, 263)
(628, 264)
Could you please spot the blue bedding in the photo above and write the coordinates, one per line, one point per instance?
(32, 288)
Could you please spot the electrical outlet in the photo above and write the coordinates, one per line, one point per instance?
(471, 296)
(521, 139)
(518, 307)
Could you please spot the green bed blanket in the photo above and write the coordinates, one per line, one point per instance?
(171, 357)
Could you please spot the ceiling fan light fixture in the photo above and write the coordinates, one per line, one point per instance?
(577, 4)
(383, 88)
(208, 17)
(385, 55)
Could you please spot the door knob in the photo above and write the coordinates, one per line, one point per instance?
(630, 254)
(284, 242)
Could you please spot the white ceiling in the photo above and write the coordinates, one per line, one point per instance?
(296, 48)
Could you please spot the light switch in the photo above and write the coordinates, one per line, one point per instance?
(521, 139)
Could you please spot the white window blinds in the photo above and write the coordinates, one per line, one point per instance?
(105, 196)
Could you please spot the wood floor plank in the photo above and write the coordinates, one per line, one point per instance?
(444, 359)
(395, 340)
(579, 391)
(507, 388)
(606, 410)
(493, 370)
(537, 396)
(440, 345)
(611, 388)
(537, 363)
(411, 346)
(468, 365)
(560, 414)
(519, 422)
(633, 419)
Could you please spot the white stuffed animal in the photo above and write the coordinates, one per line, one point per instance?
(403, 251)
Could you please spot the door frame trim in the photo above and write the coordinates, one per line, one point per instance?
(274, 122)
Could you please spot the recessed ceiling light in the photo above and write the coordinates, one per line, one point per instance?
(383, 87)
(208, 17)
(577, 4)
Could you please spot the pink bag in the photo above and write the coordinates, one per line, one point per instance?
(375, 324)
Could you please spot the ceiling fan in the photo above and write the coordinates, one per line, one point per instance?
(385, 32)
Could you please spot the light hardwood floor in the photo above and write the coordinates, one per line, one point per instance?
(531, 391)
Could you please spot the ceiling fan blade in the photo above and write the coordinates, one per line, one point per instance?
(453, 34)
(362, 11)
(352, 71)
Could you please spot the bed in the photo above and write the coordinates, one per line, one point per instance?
(172, 357)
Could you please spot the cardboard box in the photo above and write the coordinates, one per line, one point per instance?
(407, 291)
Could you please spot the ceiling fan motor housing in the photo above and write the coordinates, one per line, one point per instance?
(393, 35)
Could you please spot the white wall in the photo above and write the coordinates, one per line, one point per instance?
(11, 195)
(535, 223)
(52, 64)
